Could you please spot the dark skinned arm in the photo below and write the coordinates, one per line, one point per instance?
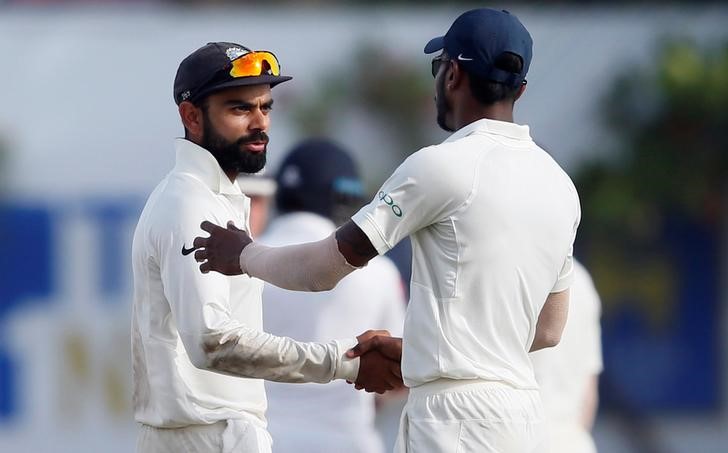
(354, 245)
(220, 252)
(379, 370)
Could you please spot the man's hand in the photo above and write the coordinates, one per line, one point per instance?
(390, 347)
(378, 374)
(221, 251)
(379, 353)
(369, 334)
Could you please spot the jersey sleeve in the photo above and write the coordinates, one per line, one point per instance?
(202, 311)
(420, 192)
(566, 274)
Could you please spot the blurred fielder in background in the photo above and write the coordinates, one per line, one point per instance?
(568, 375)
(319, 188)
(492, 220)
(260, 189)
(196, 339)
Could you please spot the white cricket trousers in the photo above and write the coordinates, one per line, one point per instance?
(231, 436)
(471, 416)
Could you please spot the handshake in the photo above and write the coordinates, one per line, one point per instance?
(380, 356)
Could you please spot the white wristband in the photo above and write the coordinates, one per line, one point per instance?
(346, 368)
(314, 266)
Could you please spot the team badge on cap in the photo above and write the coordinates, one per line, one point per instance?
(291, 177)
(234, 53)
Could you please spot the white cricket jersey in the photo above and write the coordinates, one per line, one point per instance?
(564, 371)
(492, 220)
(186, 324)
(370, 298)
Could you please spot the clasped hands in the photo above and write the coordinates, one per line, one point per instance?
(380, 356)
(379, 353)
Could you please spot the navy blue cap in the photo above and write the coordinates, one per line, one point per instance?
(207, 70)
(479, 36)
(314, 175)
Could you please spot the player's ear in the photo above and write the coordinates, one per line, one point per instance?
(454, 75)
(521, 90)
(191, 117)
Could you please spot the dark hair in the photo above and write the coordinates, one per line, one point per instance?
(488, 92)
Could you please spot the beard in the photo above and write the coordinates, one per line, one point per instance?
(443, 108)
(231, 156)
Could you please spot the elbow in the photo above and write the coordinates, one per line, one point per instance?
(322, 286)
(195, 350)
(545, 339)
(550, 339)
(213, 352)
(200, 359)
(206, 354)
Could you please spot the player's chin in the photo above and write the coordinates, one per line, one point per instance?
(252, 162)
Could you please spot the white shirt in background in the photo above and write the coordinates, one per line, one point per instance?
(332, 418)
(564, 372)
(492, 220)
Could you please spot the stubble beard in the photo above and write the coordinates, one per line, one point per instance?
(231, 156)
(442, 106)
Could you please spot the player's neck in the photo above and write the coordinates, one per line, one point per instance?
(498, 112)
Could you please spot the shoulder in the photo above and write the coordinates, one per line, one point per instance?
(451, 155)
(448, 167)
(558, 178)
(547, 161)
(183, 193)
(181, 202)
(421, 160)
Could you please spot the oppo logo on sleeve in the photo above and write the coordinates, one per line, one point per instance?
(390, 202)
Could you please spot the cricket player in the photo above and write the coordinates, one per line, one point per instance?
(318, 188)
(261, 190)
(198, 348)
(492, 219)
(568, 375)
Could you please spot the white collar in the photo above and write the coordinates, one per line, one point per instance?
(488, 126)
(198, 162)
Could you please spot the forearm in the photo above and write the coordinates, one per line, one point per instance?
(542, 341)
(246, 352)
(551, 321)
(314, 266)
(546, 337)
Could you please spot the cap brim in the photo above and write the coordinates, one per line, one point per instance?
(244, 81)
(257, 185)
(435, 44)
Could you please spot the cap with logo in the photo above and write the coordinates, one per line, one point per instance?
(315, 176)
(219, 65)
(479, 36)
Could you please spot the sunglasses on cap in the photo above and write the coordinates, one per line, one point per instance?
(437, 62)
(256, 63)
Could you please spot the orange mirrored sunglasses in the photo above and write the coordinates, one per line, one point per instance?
(255, 63)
